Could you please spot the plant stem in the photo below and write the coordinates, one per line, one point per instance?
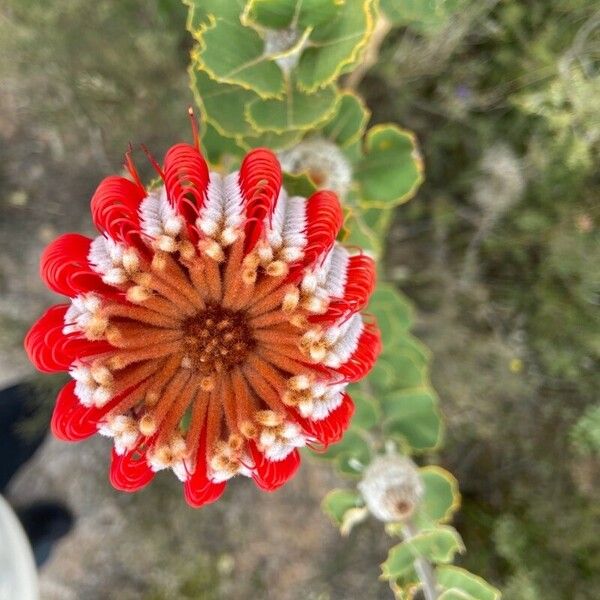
(422, 566)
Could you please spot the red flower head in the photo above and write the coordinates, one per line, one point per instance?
(212, 326)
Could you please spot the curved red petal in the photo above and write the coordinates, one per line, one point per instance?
(260, 182)
(50, 350)
(114, 208)
(331, 429)
(64, 267)
(73, 422)
(198, 490)
(324, 219)
(46, 328)
(186, 179)
(365, 355)
(270, 475)
(199, 494)
(361, 278)
(130, 472)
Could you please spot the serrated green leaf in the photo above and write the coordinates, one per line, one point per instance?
(451, 577)
(388, 374)
(441, 498)
(280, 14)
(356, 232)
(410, 372)
(348, 124)
(393, 311)
(334, 44)
(244, 62)
(352, 449)
(373, 16)
(353, 153)
(217, 147)
(367, 410)
(383, 375)
(409, 360)
(201, 11)
(295, 110)
(271, 139)
(412, 418)
(365, 228)
(410, 346)
(378, 221)
(391, 169)
(338, 502)
(298, 184)
(223, 105)
(438, 545)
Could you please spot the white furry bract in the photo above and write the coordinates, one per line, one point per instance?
(287, 233)
(278, 446)
(80, 313)
(158, 219)
(343, 341)
(106, 258)
(223, 212)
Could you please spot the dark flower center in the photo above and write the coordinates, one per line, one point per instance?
(217, 339)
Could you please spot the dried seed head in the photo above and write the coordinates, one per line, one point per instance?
(392, 487)
(501, 181)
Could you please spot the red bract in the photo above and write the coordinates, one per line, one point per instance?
(213, 325)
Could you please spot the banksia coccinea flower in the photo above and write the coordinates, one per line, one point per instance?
(212, 327)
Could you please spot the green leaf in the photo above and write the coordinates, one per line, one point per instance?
(356, 232)
(412, 418)
(394, 313)
(454, 594)
(391, 170)
(348, 124)
(409, 346)
(438, 545)
(367, 410)
(334, 44)
(441, 498)
(476, 588)
(353, 151)
(279, 14)
(217, 147)
(271, 139)
(383, 376)
(295, 110)
(352, 447)
(410, 373)
(234, 54)
(399, 367)
(377, 220)
(223, 105)
(201, 13)
(364, 229)
(337, 502)
(298, 184)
